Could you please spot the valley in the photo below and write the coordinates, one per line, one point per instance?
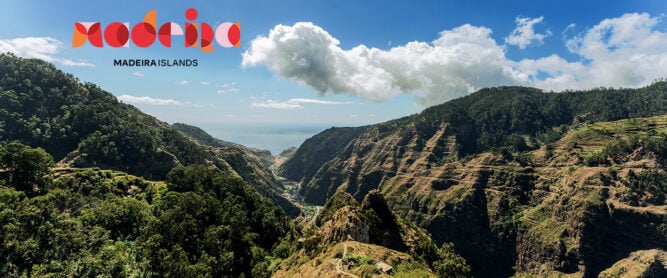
(504, 182)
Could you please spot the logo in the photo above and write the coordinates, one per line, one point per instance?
(143, 34)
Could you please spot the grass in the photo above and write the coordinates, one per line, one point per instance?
(540, 224)
(360, 260)
(410, 269)
(638, 264)
(417, 273)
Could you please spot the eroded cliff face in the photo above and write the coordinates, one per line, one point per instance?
(643, 263)
(539, 212)
(372, 221)
(368, 240)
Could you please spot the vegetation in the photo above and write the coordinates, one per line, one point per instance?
(519, 180)
(515, 117)
(24, 168)
(446, 263)
(497, 117)
(211, 224)
(89, 222)
(82, 125)
(508, 181)
(43, 107)
(619, 151)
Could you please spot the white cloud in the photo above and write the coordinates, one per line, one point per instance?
(72, 63)
(227, 88)
(147, 100)
(138, 74)
(627, 51)
(44, 48)
(567, 30)
(182, 82)
(272, 104)
(295, 103)
(461, 61)
(316, 101)
(524, 33)
(205, 83)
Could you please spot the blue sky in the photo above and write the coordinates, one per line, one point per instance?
(307, 65)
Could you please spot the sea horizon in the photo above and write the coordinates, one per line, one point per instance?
(266, 136)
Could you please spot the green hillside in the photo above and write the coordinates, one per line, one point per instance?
(81, 125)
(103, 223)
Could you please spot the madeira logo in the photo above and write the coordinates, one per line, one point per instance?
(143, 34)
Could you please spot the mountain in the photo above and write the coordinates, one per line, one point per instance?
(507, 181)
(250, 164)
(515, 117)
(645, 263)
(367, 240)
(520, 181)
(263, 156)
(81, 125)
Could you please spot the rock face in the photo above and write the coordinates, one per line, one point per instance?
(384, 267)
(384, 227)
(367, 240)
(546, 209)
(306, 162)
(346, 224)
(371, 222)
(644, 263)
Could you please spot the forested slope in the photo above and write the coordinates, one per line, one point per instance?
(82, 125)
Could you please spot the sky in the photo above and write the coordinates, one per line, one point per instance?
(303, 66)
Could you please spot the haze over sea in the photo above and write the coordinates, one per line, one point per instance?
(272, 137)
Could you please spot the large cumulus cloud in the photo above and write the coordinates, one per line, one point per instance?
(624, 51)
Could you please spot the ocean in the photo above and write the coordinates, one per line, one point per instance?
(272, 137)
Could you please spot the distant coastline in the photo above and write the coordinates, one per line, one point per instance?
(272, 137)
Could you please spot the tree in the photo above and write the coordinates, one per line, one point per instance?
(24, 166)
(450, 264)
(210, 223)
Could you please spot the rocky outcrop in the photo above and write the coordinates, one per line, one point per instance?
(369, 240)
(644, 263)
(336, 202)
(369, 222)
(384, 227)
(346, 224)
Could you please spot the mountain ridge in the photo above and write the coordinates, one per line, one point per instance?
(498, 119)
(516, 189)
(82, 125)
(508, 181)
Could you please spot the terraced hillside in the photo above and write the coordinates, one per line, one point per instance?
(571, 197)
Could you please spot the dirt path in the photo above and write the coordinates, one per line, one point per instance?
(339, 264)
